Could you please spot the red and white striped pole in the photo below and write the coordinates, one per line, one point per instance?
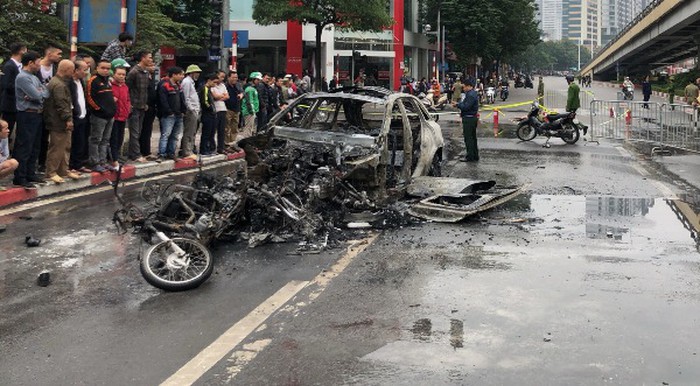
(234, 51)
(74, 29)
(123, 19)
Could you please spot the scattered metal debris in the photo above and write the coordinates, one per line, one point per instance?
(31, 241)
(336, 161)
(44, 279)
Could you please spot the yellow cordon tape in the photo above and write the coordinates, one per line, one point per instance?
(491, 108)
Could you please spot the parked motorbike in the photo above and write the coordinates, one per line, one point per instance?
(440, 102)
(490, 95)
(528, 82)
(564, 126)
(504, 93)
(427, 102)
(519, 82)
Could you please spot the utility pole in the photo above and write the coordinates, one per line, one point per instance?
(580, 42)
(442, 49)
(234, 52)
(438, 41)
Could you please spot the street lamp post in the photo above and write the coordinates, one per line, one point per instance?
(441, 57)
(580, 42)
(438, 45)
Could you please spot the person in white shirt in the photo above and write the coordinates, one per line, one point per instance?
(220, 94)
(7, 164)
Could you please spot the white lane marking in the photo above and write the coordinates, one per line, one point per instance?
(665, 190)
(240, 358)
(207, 358)
(323, 278)
(93, 190)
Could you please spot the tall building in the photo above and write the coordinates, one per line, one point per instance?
(594, 22)
(581, 21)
(289, 47)
(550, 16)
(618, 13)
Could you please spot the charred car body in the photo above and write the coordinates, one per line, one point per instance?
(372, 138)
(328, 161)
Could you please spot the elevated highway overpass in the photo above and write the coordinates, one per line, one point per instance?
(666, 32)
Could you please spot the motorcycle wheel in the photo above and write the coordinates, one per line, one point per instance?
(526, 132)
(157, 272)
(570, 135)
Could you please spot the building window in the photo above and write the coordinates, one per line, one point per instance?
(242, 10)
(408, 15)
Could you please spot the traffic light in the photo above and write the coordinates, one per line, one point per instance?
(215, 28)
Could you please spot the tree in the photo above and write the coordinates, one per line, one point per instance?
(490, 29)
(23, 21)
(183, 24)
(355, 15)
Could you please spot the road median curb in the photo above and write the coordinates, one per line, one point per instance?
(16, 195)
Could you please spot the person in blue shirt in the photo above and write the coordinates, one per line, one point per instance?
(469, 111)
(30, 95)
(7, 163)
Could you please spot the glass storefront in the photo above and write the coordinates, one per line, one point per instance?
(376, 70)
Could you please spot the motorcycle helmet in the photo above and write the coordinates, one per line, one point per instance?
(119, 62)
(570, 78)
(255, 75)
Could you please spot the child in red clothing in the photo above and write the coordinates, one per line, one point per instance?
(121, 96)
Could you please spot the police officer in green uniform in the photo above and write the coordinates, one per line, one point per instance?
(573, 101)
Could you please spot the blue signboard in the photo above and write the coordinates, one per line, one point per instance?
(99, 21)
(242, 39)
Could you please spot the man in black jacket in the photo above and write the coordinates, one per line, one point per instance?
(8, 106)
(233, 105)
(102, 109)
(171, 108)
(264, 99)
(81, 125)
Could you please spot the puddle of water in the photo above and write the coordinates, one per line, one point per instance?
(609, 219)
(603, 279)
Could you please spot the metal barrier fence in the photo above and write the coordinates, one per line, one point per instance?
(557, 98)
(680, 124)
(664, 125)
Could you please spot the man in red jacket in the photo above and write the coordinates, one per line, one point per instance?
(171, 108)
(121, 94)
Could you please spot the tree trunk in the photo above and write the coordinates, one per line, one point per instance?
(317, 59)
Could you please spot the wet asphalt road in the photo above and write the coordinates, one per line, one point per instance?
(588, 278)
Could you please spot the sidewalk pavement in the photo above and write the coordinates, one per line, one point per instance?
(15, 195)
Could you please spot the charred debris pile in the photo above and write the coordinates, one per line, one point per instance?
(301, 192)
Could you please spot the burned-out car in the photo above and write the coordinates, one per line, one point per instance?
(327, 157)
(326, 162)
(377, 140)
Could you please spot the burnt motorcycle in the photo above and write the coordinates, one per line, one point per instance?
(564, 126)
(179, 222)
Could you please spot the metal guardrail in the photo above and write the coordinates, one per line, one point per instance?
(663, 125)
(556, 99)
(680, 124)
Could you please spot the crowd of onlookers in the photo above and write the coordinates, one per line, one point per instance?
(62, 118)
